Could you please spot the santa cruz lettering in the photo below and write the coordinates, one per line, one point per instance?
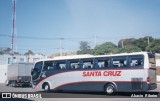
(102, 73)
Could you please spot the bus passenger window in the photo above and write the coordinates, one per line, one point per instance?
(103, 63)
(87, 64)
(60, 65)
(48, 65)
(119, 62)
(136, 61)
(74, 64)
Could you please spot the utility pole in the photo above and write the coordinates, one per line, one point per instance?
(95, 41)
(60, 49)
(122, 43)
(13, 27)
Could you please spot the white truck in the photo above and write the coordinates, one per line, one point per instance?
(19, 74)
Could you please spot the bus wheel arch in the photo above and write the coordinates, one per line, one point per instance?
(46, 86)
(110, 88)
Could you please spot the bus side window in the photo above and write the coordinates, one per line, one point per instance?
(74, 64)
(61, 65)
(48, 65)
(103, 63)
(136, 61)
(87, 64)
(57, 65)
(119, 62)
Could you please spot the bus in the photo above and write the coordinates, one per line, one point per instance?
(125, 72)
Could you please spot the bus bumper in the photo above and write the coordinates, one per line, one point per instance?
(152, 86)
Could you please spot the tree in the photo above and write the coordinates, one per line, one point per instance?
(29, 53)
(85, 51)
(106, 48)
(8, 51)
(84, 45)
(84, 48)
(129, 49)
(154, 46)
(125, 42)
(142, 43)
(1, 53)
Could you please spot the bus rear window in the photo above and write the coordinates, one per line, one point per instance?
(151, 58)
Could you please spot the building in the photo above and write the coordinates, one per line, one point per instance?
(7, 59)
(35, 57)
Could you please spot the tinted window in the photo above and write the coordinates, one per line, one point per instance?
(48, 65)
(60, 65)
(87, 63)
(119, 62)
(74, 64)
(136, 61)
(102, 63)
(152, 62)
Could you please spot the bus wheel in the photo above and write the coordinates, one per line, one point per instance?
(46, 87)
(109, 89)
(7, 83)
(13, 83)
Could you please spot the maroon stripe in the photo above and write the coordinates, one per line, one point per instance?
(91, 70)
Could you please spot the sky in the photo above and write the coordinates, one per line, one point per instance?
(40, 24)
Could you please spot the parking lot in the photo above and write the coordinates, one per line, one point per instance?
(74, 95)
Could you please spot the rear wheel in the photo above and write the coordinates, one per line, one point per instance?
(46, 87)
(7, 83)
(109, 89)
(14, 83)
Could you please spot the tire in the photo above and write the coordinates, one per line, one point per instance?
(7, 83)
(46, 87)
(109, 89)
(13, 83)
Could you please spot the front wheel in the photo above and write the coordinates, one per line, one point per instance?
(109, 89)
(47, 88)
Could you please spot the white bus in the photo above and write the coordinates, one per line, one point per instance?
(127, 72)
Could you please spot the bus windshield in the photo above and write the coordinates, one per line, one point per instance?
(37, 70)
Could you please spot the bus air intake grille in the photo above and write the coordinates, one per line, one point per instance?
(137, 84)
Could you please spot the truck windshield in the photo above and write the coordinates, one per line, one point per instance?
(37, 70)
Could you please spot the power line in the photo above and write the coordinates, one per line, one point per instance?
(40, 38)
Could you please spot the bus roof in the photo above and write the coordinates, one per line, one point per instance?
(91, 56)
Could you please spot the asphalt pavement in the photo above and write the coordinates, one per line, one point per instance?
(78, 96)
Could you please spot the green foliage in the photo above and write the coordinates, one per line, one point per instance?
(7, 51)
(105, 48)
(125, 42)
(85, 51)
(84, 45)
(142, 43)
(29, 53)
(129, 49)
(146, 43)
(154, 46)
(1, 53)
